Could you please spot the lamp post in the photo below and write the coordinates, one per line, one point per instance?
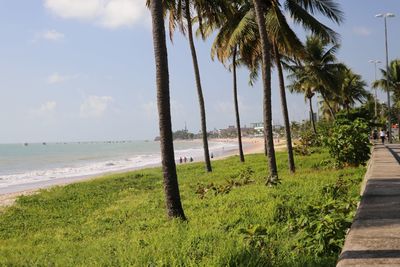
(376, 97)
(384, 16)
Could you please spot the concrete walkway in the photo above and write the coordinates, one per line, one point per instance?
(374, 237)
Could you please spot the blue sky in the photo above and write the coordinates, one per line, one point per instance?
(75, 70)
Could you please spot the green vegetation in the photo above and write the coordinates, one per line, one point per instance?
(349, 142)
(233, 218)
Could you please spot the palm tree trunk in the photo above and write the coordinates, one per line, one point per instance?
(171, 188)
(312, 116)
(329, 106)
(285, 112)
(266, 78)
(199, 89)
(235, 99)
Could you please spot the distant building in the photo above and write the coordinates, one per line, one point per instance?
(258, 128)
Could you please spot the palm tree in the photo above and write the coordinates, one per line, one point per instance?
(285, 111)
(285, 41)
(306, 88)
(235, 101)
(328, 108)
(171, 188)
(180, 10)
(352, 89)
(316, 72)
(260, 8)
(302, 12)
(228, 41)
(394, 83)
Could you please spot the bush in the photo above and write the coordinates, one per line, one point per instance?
(349, 143)
(307, 141)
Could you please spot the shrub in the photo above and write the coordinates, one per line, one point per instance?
(349, 143)
(307, 141)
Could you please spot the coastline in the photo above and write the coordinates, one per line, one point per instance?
(8, 196)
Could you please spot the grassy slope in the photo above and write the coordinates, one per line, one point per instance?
(120, 219)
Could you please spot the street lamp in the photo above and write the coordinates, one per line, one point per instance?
(384, 16)
(376, 97)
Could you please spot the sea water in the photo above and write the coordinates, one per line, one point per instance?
(30, 163)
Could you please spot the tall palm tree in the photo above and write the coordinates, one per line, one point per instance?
(235, 101)
(179, 13)
(284, 41)
(226, 46)
(285, 111)
(171, 188)
(260, 8)
(301, 12)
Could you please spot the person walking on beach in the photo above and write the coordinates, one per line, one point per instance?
(185, 159)
(180, 160)
(382, 134)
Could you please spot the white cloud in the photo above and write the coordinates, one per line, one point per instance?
(95, 106)
(48, 107)
(45, 110)
(107, 13)
(151, 110)
(86, 9)
(48, 35)
(58, 78)
(362, 31)
(53, 35)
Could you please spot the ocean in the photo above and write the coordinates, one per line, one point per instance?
(34, 163)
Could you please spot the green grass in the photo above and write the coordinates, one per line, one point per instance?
(120, 220)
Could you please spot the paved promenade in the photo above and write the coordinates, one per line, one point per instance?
(374, 238)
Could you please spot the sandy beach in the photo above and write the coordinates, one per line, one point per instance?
(250, 146)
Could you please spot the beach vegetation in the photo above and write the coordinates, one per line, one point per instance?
(118, 220)
(349, 142)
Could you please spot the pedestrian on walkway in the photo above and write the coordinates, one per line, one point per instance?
(382, 134)
(375, 135)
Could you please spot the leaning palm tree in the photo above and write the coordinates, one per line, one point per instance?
(171, 188)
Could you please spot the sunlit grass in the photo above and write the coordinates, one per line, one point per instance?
(120, 220)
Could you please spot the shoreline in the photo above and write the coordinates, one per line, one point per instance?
(10, 194)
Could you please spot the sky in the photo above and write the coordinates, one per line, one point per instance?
(73, 70)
